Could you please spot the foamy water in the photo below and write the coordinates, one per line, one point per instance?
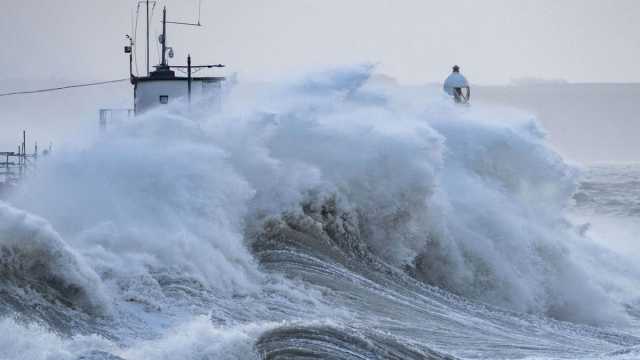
(327, 217)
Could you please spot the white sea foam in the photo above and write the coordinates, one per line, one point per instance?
(35, 342)
(475, 196)
(32, 253)
(158, 194)
(473, 199)
(195, 338)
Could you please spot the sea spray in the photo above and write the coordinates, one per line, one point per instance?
(474, 200)
(387, 212)
(473, 203)
(156, 194)
(35, 258)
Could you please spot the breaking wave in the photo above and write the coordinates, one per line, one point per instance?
(36, 260)
(328, 217)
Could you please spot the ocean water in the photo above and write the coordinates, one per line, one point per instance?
(322, 217)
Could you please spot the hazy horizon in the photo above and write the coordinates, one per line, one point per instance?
(587, 123)
(498, 43)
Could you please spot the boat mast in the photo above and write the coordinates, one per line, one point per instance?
(164, 36)
(147, 37)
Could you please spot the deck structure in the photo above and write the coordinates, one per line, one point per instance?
(14, 165)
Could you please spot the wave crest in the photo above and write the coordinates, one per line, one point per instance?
(33, 257)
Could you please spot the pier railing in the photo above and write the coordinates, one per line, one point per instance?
(15, 164)
(114, 117)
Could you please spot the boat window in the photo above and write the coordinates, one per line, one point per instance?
(164, 99)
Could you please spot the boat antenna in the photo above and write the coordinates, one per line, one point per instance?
(164, 36)
(147, 37)
(147, 3)
(197, 23)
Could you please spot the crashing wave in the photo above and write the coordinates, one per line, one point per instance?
(379, 204)
(35, 259)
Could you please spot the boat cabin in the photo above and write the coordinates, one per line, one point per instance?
(162, 87)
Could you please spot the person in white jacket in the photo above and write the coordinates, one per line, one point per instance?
(457, 86)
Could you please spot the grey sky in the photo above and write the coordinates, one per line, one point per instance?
(415, 41)
(55, 42)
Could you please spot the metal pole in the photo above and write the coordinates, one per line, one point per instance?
(147, 37)
(24, 149)
(20, 159)
(189, 78)
(164, 35)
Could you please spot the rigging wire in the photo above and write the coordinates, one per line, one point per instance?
(22, 92)
(153, 8)
(135, 40)
(135, 36)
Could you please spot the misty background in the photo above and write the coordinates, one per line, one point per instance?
(570, 63)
